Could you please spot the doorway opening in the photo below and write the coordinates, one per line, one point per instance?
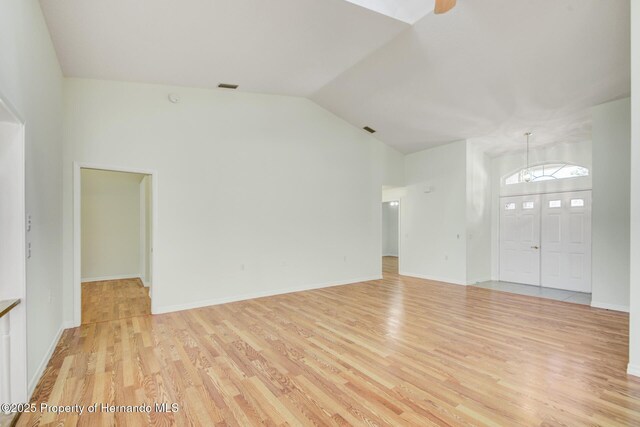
(114, 223)
(390, 237)
(545, 242)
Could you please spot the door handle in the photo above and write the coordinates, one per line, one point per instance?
(535, 247)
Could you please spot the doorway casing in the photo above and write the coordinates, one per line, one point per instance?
(77, 229)
(396, 194)
(13, 274)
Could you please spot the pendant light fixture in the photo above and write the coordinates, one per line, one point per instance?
(526, 176)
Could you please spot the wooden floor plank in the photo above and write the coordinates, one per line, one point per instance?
(398, 351)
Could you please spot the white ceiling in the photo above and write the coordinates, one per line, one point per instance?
(6, 116)
(488, 70)
(290, 47)
(492, 69)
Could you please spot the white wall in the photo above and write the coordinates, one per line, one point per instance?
(610, 217)
(433, 224)
(446, 214)
(634, 322)
(390, 228)
(478, 215)
(392, 166)
(257, 194)
(576, 153)
(393, 194)
(111, 225)
(30, 78)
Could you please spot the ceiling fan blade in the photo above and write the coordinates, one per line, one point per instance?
(444, 6)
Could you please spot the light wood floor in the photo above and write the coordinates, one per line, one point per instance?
(114, 299)
(398, 351)
(389, 265)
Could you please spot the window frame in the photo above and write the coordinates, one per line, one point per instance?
(517, 177)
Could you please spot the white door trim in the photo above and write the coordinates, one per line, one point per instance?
(18, 333)
(77, 246)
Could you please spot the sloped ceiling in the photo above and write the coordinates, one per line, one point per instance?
(290, 47)
(489, 70)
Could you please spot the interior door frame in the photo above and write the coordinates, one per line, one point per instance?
(536, 194)
(19, 346)
(77, 228)
(398, 222)
(399, 200)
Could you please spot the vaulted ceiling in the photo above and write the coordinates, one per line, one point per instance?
(488, 70)
(492, 69)
(290, 47)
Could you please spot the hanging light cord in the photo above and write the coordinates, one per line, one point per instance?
(528, 151)
(528, 134)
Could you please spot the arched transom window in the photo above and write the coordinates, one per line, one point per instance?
(546, 172)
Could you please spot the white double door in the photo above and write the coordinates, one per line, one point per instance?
(545, 240)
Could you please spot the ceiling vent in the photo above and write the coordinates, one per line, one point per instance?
(227, 86)
(368, 129)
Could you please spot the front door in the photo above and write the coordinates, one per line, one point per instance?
(566, 241)
(520, 239)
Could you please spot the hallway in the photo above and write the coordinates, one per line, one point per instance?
(114, 299)
(389, 265)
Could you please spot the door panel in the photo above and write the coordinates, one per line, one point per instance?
(553, 229)
(552, 266)
(520, 239)
(566, 241)
(576, 227)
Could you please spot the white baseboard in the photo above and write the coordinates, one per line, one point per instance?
(633, 370)
(393, 255)
(218, 301)
(45, 361)
(68, 324)
(116, 277)
(614, 307)
(434, 278)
